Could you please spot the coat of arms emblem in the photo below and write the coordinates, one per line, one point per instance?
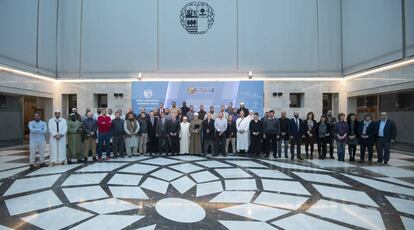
(197, 17)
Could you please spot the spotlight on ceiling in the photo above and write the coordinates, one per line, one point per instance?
(250, 74)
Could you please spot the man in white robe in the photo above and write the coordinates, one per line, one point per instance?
(184, 135)
(57, 143)
(242, 125)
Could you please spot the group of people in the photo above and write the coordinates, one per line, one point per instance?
(182, 130)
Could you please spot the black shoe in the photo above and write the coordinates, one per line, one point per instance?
(215, 154)
(385, 162)
(267, 155)
(32, 167)
(85, 159)
(79, 160)
(300, 158)
(69, 162)
(275, 156)
(43, 165)
(94, 159)
(286, 156)
(224, 155)
(332, 157)
(292, 157)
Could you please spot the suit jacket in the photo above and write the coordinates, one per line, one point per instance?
(173, 126)
(312, 131)
(208, 126)
(293, 128)
(161, 130)
(370, 132)
(152, 129)
(390, 130)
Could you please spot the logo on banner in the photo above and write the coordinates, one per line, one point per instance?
(200, 90)
(197, 17)
(148, 93)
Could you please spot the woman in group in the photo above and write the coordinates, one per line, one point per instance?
(256, 133)
(310, 134)
(131, 127)
(366, 132)
(352, 135)
(323, 131)
(341, 133)
(184, 136)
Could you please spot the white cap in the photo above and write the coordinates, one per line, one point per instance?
(57, 110)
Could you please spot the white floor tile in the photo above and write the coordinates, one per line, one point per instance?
(81, 194)
(305, 222)
(2, 227)
(351, 214)
(151, 227)
(293, 187)
(213, 164)
(54, 170)
(203, 176)
(345, 195)
(22, 204)
(383, 186)
(11, 172)
(400, 162)
(396, 180)
(186, 168)
(180, 210)
(108, 222)
(5, 166)
(390, 171)
(125, 179)
(31, 184)
(4, 158)
(155, 185)
(139, 168)
(233, 197)
(330, 163)
(245, 225)
(255, 212)
(209, 188)
(292, 166)
(183, 184)
(84, 179)
(166, 174)
(233, 173)
(57, 218)
(109, 205)
(188, 158)
(280, 200)
(161, 161)
(408, 222)
(241, 184)
(127, 192)
(269, 173)
(101, 167)
(321, 178)
(246, 163)
(402, 205)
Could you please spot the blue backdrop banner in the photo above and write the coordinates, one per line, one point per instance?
(151, 94)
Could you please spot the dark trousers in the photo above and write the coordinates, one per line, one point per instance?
(208, 145)
(309, 142)
(256, 144)
(174, 144)
(298, 142)
(352, 151)
(163, 144)
(104, 137)
(322, 147)
(271, 143)
(383, 149)
(153, 144)
(220, 143)
(118, 145)
(366, 146)
(331, 142)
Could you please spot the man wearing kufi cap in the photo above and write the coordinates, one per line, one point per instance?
(243, 107)
(57, 130)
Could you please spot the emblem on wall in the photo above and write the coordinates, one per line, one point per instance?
(197, 17)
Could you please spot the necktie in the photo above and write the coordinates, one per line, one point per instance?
(297, 124)
(152, 121)
(57, 126)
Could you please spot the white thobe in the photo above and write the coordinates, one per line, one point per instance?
(57, 147)
(243, 138)
(184, 137)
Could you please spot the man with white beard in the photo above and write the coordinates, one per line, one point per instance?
(57, 143)
(242, 125)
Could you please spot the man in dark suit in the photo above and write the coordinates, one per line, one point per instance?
(173, 128)
(152, 133)
(386, 133)
(296, 134)
(161, 134)
(208, 133)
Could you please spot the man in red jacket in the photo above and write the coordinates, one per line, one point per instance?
(104, 128)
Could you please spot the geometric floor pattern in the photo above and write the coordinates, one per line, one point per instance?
(195, 192)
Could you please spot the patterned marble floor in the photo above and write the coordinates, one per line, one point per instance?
(194, 192)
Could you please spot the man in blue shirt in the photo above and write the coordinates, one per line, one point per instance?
(386, 133)
(38, 130)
